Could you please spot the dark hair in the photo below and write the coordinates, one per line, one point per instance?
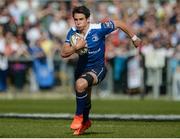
(81, 9)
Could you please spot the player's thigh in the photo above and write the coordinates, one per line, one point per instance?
(94, 77)
(98, 74)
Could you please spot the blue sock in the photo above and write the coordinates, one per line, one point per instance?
(81, 99)
(87, 110)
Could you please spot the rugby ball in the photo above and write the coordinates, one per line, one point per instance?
(73, 42)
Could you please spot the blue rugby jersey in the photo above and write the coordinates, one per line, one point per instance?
(95, 37)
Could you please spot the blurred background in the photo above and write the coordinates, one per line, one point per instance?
(32, 33)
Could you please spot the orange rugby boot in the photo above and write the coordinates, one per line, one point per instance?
(83, 128)
(77, 122)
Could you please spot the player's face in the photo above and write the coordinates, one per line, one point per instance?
(80, 21)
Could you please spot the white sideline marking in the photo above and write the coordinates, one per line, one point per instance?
(93, 116)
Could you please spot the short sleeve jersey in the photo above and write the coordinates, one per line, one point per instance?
(95, 38)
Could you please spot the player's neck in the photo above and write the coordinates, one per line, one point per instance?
(83, 32)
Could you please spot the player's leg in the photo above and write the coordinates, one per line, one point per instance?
(86, 121)
(81, 85)
(87, 106)
(98, 74)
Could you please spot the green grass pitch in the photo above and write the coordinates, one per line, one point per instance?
(51, 128)
(38, 128)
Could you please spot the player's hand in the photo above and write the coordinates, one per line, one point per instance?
(80, 43)
(137, 43)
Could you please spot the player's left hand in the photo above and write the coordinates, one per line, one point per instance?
(137, 43)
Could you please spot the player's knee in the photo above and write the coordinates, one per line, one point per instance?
(81, 85)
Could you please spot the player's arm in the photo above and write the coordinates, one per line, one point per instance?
(68, 50)
(136, 40)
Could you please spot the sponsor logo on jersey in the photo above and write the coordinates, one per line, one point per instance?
(94, 52)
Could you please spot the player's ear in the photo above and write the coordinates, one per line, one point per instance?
(88, 20)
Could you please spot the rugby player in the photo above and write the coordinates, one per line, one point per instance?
(91, 68)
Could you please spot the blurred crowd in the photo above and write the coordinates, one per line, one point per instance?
(36, 29)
